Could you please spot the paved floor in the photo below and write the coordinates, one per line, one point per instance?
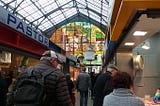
(90, 101)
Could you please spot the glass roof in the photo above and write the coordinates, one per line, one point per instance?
(48, 15)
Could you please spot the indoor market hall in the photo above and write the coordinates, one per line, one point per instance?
(77, 52)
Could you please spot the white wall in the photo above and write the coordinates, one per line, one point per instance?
(148, 80)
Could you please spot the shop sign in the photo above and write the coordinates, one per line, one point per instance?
(14, 22)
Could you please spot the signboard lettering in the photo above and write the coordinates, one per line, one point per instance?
(17, 24)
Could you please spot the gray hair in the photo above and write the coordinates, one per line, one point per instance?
(113, 67)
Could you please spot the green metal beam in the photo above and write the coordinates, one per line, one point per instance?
(81, 18)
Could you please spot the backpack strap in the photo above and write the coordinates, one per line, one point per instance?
(47, 72)
(30, 71)
(44, 74)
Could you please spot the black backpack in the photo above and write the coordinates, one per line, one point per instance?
(30, 91)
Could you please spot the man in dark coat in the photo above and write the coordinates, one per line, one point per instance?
(103, 85)
(3, 91)
(56, 88)
(83, 84)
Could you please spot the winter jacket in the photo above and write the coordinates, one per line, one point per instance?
(83, 82)
(103, 86)
(122, 97)
(3, 92)
(55, 84)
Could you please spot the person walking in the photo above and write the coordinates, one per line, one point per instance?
(83, 83)
(55, 84)
(122, 94)
(70, 87)
(103, 85)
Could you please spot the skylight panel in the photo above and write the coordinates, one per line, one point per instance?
(30, 12)
(105, 13)
(15, 3)
(105, 19)
(70, 12)
(23, 12)
(95, 4)
(47, 24)
(47, 6)
(62, 2)
(7, 1)
(95, 8)
(83, 2)
(55, 14)
(62, 9)
(104, 22)
(38, 21)
(80, 6)
(42, 27)
(68, 5)
(1, 4)
(84, 11)
(105, 7)
(59, 19)
(24, 5)
(94, 16)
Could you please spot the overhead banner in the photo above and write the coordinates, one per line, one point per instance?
(19, 25)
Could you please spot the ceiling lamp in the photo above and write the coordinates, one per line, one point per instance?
(146, 45)
(139, 33)
(129, 43)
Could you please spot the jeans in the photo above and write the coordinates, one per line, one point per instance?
(83, 98)
(156, 98)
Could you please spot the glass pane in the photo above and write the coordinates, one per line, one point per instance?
(59, 18)
(70, 12)
(83, 2)
(57, 13)
(62, 2)
(84, 11)
(62, 9)
(47, 6)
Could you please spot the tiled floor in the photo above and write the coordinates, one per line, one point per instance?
(90, 101)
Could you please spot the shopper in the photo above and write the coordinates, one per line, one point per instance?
(70, 87)
(103, 85)
(3, 91)
(122, 94)
(56, 88)
(93, 80)
(83, 83)
(156, 97)
(9, 78)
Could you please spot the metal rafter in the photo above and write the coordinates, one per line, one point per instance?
(87, 10)
(14, 10)
(90, 13)
(95, 12)
(82, 18)
(16, 13)
(57, 9)
(61, 11)
(8, 3)
(75, 5)
(42, 13)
